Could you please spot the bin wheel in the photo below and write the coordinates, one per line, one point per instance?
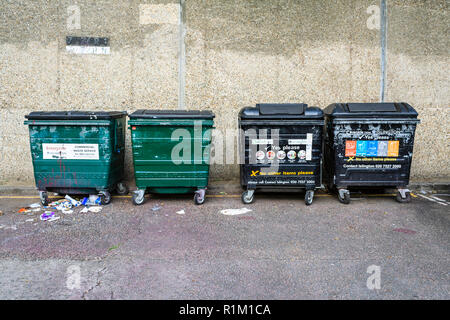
(345, 199)
(122, 189)
(309, 196)
(407, 199)
(247, 197)
(44, 198)
(198, 199)
(138, 198)
(105, 197)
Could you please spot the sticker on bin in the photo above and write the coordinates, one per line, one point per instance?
(350, 148)
(260, 155)
(393, 147)
(361, 148)
(307, 155)
(302, 154)
(371, 148)
(270, 155)
(307, 141)
(70, 151)
(291, 155)
(382, 149)
(281, 155)
(262, 141)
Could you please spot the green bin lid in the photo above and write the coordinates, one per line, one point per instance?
(75, 115)
(172, 114)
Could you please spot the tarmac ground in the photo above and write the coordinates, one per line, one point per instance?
(373, 248)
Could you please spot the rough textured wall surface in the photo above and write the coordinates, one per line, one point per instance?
(238, 53)
(418, 72)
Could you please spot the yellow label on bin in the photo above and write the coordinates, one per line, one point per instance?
(393, 147)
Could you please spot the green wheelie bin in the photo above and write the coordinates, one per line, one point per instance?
(171, 152)
(78, 152)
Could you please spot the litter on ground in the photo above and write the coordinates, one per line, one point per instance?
(91, 200)
(65, 206)
(74, 202)
(234, 212)
(47, 215)
(91, 209)
(156, 208)
(181, 212)
(54, 218)
(13, 227)
(84, 210)
(95, 209)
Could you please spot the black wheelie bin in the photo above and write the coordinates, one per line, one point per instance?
(369, 145)
(280, 149)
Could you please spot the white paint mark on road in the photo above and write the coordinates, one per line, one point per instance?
(439, 199)
(233, 212)
(431, 199)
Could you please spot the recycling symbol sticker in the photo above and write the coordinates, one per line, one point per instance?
(260, 155)
(291, 155)
(281, 155)
(302, 154)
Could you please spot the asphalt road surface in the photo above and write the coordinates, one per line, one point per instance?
(374, 248)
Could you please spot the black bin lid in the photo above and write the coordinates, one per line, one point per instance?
(281, 111)
(172, 114)
(371, 110)
(75, 115)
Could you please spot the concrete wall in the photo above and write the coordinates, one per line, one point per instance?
(238, 53)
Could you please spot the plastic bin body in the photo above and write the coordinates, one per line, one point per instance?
(77, 152)
(281, 145)
(369, 145)
(171, 149)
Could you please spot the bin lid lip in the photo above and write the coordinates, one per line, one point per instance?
(171, 114)
(75, 115)
(371, 110)
(281, 111)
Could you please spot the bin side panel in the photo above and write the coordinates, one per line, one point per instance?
(370, 153)
(281, 155)
(72, 156)
(171, 156)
